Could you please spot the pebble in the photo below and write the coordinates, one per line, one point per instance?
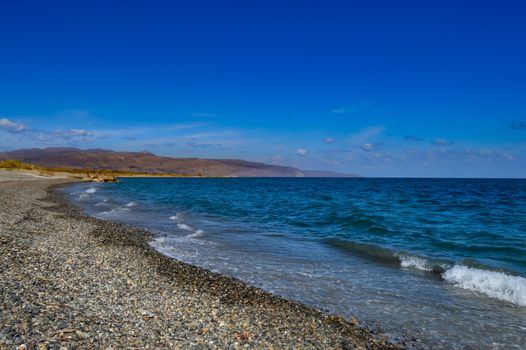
(69, 281)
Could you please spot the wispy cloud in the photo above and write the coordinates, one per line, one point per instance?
(74, 114)
(12, 126)
(329, 140)
(413, 139)
(359, 106)
(193, 143)
(369, 147)
(276, 159)
(78, 132)
(441, 142)
(70, 135)
(364, 135)
(460, 155)
(183, 126)
(79, 136)
(205, 115)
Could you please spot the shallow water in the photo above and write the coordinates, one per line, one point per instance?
(439, 263)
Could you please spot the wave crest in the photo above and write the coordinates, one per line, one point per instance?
(414, 262)
(494, 284)
(184, 227)
(498, 285)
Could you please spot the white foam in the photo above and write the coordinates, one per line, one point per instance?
(160, 239)
(91, 190)
(413, 262)
(113, 212)
(493, 284)
(131, 204)
(173, 217)
(104, 202)
(184, 227)
(196, 234)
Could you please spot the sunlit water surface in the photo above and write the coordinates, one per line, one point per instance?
(437, 263)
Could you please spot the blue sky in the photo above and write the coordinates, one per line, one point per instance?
(380, 88)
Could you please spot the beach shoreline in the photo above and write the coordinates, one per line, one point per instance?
(69, 280)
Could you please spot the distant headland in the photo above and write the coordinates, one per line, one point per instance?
(106, 164)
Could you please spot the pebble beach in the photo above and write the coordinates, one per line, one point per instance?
(68, 281)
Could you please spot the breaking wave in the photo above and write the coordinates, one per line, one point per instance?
(91, 190)
(414, 262)
(195, 233)
(113, 212)
(184, 227)
(494, 284)
(177, 217)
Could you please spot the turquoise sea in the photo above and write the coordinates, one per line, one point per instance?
(438, 263)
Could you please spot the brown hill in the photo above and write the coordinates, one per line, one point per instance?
(146, 162)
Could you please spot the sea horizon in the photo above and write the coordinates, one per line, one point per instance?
(336, 174)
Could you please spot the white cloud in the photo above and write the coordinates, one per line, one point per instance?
(194, 143)
(79, 132)
(79, 135)
(11, 126)
(441, 142)
(301, 152)
(367, 147)
(183, 126)
(329, 140)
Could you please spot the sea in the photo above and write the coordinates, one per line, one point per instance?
(435, 263)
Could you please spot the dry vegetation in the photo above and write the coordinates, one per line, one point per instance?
(15, 164)
(83, 173)
(145, 163)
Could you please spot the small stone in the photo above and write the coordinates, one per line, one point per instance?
(80, 334)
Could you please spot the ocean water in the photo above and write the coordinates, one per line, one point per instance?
(437, 263)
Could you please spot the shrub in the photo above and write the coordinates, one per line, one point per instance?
(15, 164)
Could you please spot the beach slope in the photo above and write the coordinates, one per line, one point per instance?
(71, 281)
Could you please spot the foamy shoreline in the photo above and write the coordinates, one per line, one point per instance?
(70, 280)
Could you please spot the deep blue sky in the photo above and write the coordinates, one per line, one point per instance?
(381, 88)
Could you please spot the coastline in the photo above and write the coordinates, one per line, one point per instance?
(69, 280)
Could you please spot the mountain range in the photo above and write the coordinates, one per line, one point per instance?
(150, 163)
